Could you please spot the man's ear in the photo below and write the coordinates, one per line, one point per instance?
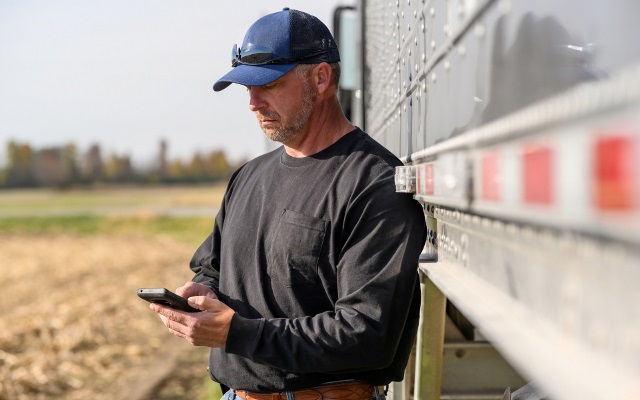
(322, 77)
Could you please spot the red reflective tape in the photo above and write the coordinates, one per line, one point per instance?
(491, 177)
(424, 179)
(428, 179)
(538, 178)
(614, 173)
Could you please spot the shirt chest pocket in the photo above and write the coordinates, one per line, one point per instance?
(295, 249)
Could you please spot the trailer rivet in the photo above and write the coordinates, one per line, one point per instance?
(464, 241)
(498, 226)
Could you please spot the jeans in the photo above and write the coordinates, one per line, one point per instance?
(230, 395)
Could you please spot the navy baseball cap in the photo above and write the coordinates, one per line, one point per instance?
(275, 44)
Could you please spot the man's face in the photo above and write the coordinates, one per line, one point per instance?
(283, 107)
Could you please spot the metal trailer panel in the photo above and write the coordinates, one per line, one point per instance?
(547, 272)
(476, 61)
(562, 308)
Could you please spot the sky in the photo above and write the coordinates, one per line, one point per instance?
(126, 74)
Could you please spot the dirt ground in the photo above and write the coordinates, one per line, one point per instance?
(72, 326)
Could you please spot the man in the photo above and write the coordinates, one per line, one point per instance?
(308, 282)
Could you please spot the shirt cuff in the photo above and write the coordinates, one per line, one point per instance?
(243, 335)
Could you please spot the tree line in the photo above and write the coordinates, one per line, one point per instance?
(65, 166)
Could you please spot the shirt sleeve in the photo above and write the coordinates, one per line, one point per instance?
(377, 287)
(205, 262)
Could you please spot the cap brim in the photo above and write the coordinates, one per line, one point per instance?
(253, 75)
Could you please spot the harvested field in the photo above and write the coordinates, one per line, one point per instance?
(72, 326)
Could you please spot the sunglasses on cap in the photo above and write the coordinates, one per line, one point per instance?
(256, 55)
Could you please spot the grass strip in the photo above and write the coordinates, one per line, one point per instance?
(187, 229)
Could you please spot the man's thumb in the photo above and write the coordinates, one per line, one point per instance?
(203, 303)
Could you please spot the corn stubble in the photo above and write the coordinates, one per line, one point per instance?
(72, 326)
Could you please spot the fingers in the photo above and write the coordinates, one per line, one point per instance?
(204, 303)
(208, 328)
(188, 289)
(195, 289)
(167, 313)
(179, 323)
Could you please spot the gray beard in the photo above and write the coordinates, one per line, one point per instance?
(285, 133)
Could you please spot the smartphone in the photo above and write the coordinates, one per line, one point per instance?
(166, 298)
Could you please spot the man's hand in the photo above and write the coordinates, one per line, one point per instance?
(207, 328)
(191, 289)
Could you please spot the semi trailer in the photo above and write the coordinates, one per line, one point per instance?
(518, 123)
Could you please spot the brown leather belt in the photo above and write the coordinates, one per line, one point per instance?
(337, 391)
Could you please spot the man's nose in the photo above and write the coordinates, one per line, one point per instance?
(256, 102)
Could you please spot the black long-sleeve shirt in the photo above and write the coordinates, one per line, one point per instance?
(318, 257)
